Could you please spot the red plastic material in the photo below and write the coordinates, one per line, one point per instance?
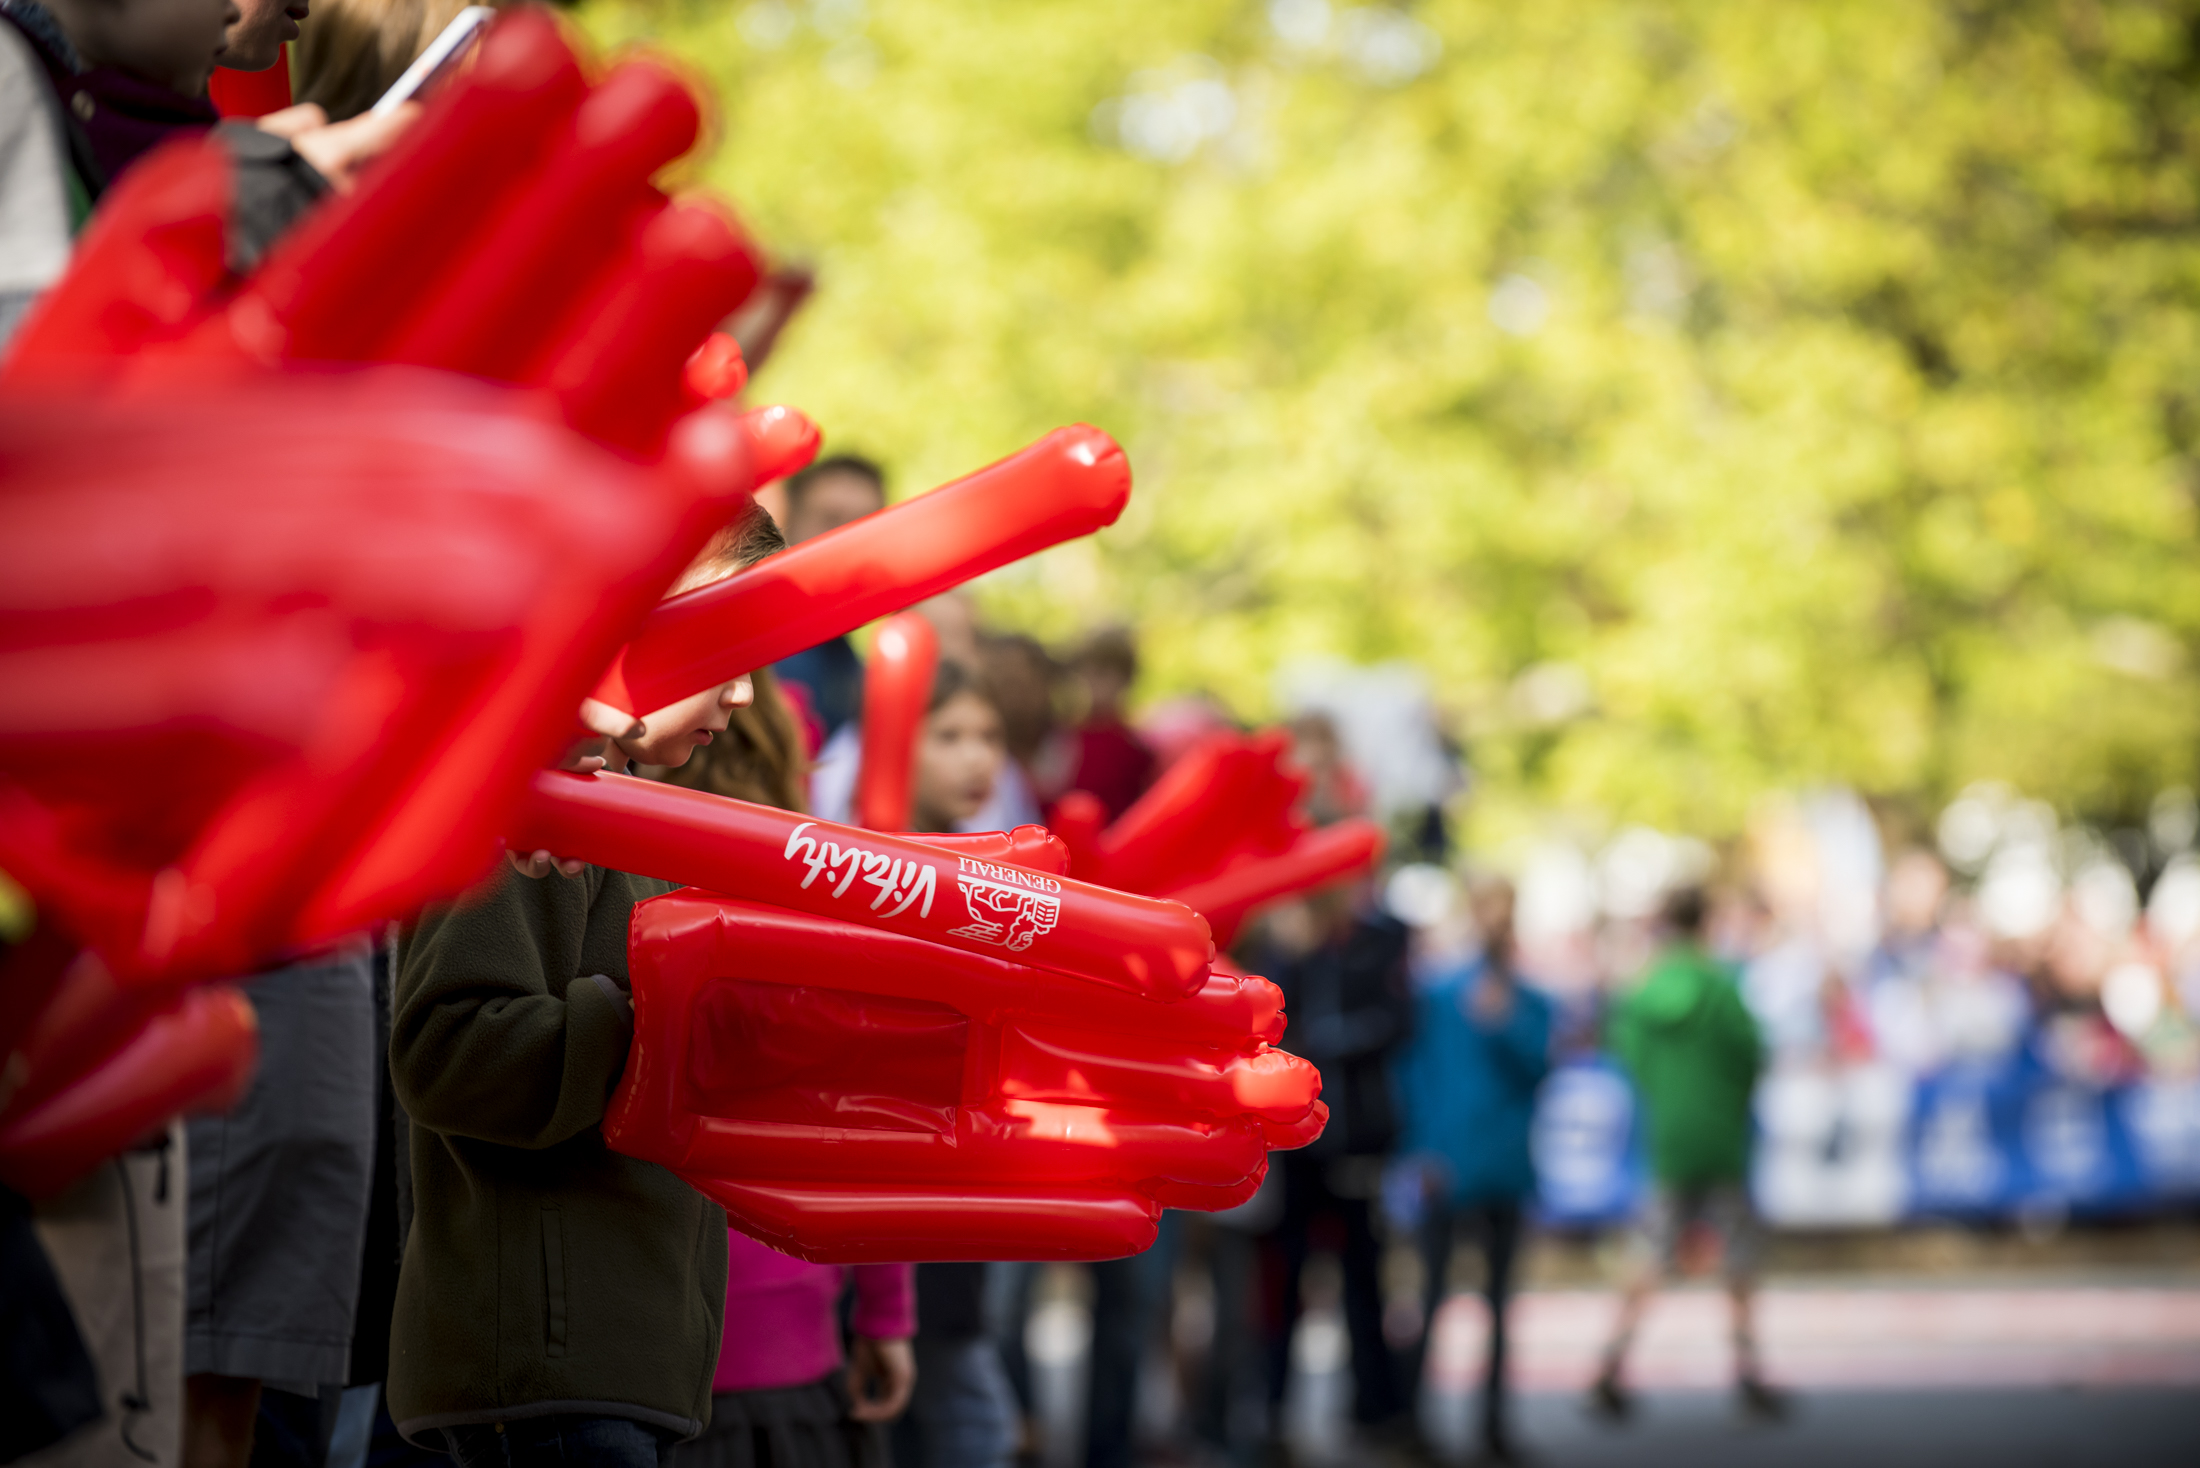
(249, 94)
(513, 233)
(897, 685)
(715, 370)
(1220, 832)
(277, 662)
(196, 1053)
(140, 275)
(907, 1100)
(1070, 483)
(895, 883)
(781, 441)
(1314, 860)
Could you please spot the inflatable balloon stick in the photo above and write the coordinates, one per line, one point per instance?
(104, 1067)
(1220, 832)
(871, 879)
(897, 688)
(850, 1093)
(1070, 483)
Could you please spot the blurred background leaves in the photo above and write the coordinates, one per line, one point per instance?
(1711, 399)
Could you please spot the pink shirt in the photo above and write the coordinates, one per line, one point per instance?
(781, 1327)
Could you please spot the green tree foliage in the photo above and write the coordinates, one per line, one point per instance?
(1709, 397)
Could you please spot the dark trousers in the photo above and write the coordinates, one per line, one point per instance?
(556, 1442)
(1495, 1227)
(1311, 1208)
(1128, 1296)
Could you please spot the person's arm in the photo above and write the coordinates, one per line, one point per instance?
(490, 1039)
(1522, 1040)
(882, 1368)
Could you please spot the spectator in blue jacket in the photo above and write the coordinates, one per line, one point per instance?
(1467, 1084)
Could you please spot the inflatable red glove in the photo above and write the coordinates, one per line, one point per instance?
(277, 661)
(897, 689)
(850, 1093)
(1220, 832)
(900, 884)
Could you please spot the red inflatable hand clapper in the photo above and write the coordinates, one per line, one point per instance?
(1072, 482)
(1218, 832)
(851, 1094)
(896, 883)
(277, 662)
(513, 234)
(897, 687)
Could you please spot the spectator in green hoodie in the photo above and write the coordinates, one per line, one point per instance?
(1692, 1049)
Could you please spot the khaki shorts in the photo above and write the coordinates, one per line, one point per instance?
(1673, 1210)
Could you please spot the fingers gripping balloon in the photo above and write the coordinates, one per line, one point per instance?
(897, 684)
(908, 1100)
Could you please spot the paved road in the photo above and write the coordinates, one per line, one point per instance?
(2027, 1428)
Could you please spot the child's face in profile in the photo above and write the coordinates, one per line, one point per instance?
(676, 731)
(171, 43)
(958, 759)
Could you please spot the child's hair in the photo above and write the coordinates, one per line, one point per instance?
(743, 541)
(955, 678)
(349, 52)
(798, 483)
(1110, 650)
(762, 756)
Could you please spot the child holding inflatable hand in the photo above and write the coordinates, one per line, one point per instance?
(558, 1301)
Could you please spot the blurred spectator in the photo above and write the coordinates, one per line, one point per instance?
(1334, 789)
(826, 496)
(963, 1413)
(1021, 675)
(349, 52)
(1467, 1085)
(1689, 1044)
(1342, 966)
(1112, 762)
(43, 200)
(959, 752)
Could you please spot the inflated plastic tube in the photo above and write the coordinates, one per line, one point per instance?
(1229, 794)
(1329, 854)
(1070, 483)
(196, 1054)
(356, 269)
(897, 687)
(1149, 947)
(144, 270)
(1026, 846)
(541, 257)
(622, 374)
(859, 1223)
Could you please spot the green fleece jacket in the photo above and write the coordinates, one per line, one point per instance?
(1693, 1051)
(543, 1273)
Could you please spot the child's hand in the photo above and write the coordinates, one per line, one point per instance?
(542, 863)
(881, 1374)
